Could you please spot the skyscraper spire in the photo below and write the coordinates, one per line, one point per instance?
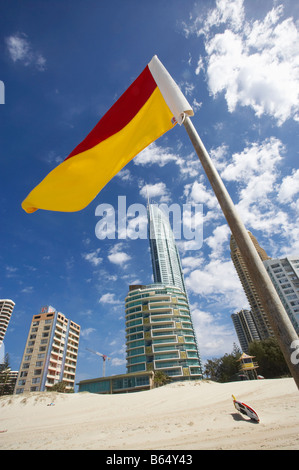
(166, 262)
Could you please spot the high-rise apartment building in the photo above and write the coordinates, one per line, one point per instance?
(165, 258)
(245, 328)
(50, 354)
(258, 312)
(284, 274)
(159, 332)
(6, 309)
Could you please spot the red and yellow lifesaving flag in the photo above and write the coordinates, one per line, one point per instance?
(149, 107)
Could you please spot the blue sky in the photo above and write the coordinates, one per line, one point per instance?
(63, 64)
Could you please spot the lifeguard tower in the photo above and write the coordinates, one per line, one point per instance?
(248, 366)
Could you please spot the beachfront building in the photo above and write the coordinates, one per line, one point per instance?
(159, 332)
(165, 258)
(257, 310)
(123, 383)
(245, 328)
(6, 309)
(50, 354)
(8, 380)
(284, 274)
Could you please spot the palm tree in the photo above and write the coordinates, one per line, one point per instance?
(160, 378)
(6, 387)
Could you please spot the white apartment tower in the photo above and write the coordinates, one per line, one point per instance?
(6, 309)
(50, 354)
(284, 274)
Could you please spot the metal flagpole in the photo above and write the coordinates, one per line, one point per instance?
(277, 316)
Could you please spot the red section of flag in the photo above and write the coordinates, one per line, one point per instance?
(121, 113)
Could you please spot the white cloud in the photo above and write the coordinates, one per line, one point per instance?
(215, 337)
(256, 167)
(198, 193)
(155, 190)
(254, 64)
(109, 298)
(93, 257)
(118, 257)
(229, 12)
(218, 280)
(11, 271)
(21, 50)
(256, 172)
(191, 262)
(158, 155)
(86, 332)
(289, 187)
(28, 290)
(154, 154)
(118, 361)
(125, 175)
(219, 241)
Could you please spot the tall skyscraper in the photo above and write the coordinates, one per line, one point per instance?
(159, 332)
(258, 312)
(50, 354)
(245, 328)
(165, 258)
(6, 309)
(284, 274)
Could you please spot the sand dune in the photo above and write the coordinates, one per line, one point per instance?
(179, 416)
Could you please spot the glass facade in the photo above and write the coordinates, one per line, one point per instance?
(164, 253)
(159, 332)
(245, 328)
(118, 383)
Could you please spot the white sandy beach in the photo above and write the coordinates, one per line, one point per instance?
(181, 416)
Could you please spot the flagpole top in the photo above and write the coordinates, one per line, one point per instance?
(171, 92)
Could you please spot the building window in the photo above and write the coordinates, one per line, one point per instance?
(142, 380)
